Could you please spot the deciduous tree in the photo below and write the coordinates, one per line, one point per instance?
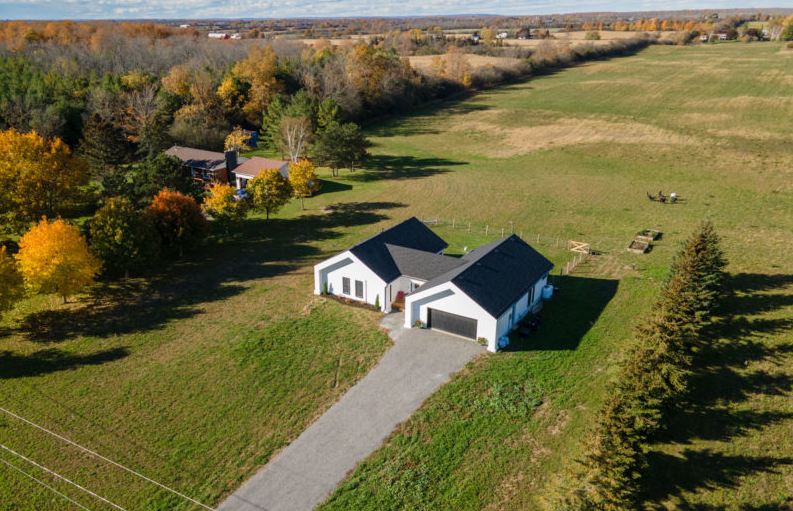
(303, 179)
(269, 191)
(224, 206)
(11, 285)
(123, 237)
(54, 258)
(37, 177)
(178, 219)
(294, 135)
(237, 141)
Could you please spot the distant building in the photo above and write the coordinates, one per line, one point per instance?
(236, 36)
(502, 35)
(218, 35)
(523, 33)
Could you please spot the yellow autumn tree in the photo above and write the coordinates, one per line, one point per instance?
(224, 206)
(258, 71)
(269, 191)
(54, 258)
(11, 288)
(304, 181)
(237, 140)
(37, 177)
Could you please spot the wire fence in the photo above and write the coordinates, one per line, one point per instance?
(579, 250)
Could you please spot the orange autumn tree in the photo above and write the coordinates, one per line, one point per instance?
(54, 258)
(179, 220)
(37, 177)
(11, 285)
(224, 206)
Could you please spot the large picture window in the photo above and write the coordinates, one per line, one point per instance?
(345, 285)
(358, 289)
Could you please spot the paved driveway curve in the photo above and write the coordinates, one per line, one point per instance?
(305, 473)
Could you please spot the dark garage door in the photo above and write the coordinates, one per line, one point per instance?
(451, 323)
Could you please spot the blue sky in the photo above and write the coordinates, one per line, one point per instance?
(119, 9)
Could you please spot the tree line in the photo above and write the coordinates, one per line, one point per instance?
(652, 380)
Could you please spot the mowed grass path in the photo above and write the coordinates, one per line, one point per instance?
(572, 155)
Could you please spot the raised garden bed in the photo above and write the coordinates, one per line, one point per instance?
(648, 235)
(639, 247)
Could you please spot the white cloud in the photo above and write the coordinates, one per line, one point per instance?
(158, 9)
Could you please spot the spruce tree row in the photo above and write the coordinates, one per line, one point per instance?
(652, 381)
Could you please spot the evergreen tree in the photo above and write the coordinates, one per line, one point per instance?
(271, 120)
(103, 145)
(161, 172)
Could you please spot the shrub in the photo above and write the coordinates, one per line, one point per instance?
(377, 302)
(789, 45)
(592, 35)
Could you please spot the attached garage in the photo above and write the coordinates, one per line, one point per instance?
(451, 323)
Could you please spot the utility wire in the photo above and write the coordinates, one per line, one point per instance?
(44, 484)
(107, 460)
(86, 490)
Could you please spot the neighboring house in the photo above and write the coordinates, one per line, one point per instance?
(480, 295)
(252, 166)
(523, 33)
(502, 35)
(218, 35)
(722, 37)
(207, 166)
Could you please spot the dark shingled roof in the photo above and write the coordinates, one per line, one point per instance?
(421, 265)
(198, 158)
(497, 274)
(409, 234)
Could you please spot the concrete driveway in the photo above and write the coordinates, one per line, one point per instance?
(306, 472)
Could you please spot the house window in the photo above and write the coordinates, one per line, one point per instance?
(358, 289)
(345, 285)
(531, 296)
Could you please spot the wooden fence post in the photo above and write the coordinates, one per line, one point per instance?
(452, 223)
(486, 228)
(538, 238)
(557, 242)
(469, 226)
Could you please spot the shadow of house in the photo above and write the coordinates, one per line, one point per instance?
(327, 186)
(13, 365)
(260, 249)
(570, 314)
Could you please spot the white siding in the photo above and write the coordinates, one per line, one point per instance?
(448, 298)
(335, 269)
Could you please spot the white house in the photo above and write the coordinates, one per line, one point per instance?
(481, 295)
(253, 166)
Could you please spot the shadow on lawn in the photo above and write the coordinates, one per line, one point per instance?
(384, 166)
(569, 315)
(721, 380)
(260, 249)
(46, 361)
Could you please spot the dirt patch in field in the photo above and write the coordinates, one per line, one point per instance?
(424, 62)
(756, 134)
(507, 142)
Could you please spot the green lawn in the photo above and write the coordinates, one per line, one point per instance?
(197, 374)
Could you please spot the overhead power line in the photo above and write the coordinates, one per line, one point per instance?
(44, 484)
(106, 459)
(86, 490)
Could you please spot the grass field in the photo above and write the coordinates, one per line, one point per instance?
(572, 154)
(199, 374)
